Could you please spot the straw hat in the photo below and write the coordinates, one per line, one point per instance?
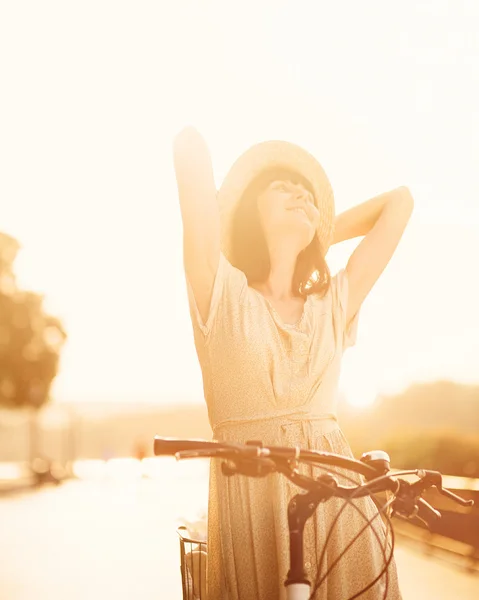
(271, 155)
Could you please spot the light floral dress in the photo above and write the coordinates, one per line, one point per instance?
(267, 380)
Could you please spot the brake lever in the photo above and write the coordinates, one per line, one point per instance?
(251, 468)
(458, 499)
(181, 454)
(426, 513)
(435, 478)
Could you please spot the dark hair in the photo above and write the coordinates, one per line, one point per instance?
(249, 251)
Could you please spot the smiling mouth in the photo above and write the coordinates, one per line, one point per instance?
(299, 210)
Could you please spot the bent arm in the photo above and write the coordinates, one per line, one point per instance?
(199, 213)
(382, 220)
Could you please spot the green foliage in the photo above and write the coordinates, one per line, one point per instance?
(430, 425)
(30, 339)
(444, 451)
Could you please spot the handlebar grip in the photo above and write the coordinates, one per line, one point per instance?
(427, 513)
(170, 446)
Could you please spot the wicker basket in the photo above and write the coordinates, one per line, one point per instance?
(193, 554)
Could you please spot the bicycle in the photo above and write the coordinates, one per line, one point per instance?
(255, 460)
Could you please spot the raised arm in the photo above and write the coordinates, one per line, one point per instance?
(200, 215)
(382, 220)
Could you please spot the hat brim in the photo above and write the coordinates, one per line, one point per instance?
(267, 156)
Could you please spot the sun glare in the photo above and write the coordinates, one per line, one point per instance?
(90, 192)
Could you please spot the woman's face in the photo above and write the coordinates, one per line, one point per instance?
(288, 209)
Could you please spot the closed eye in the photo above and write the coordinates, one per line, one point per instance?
(281, 187)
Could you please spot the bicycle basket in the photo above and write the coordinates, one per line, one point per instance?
(193, 553)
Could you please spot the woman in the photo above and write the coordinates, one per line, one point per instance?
(270, 327)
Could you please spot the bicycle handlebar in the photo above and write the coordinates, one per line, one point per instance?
(255, 460)
(195, 448)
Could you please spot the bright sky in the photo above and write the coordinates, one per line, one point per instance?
(383, 93)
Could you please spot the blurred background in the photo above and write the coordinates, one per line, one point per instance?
(96, 345)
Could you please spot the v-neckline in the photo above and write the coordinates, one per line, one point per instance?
(277, 316)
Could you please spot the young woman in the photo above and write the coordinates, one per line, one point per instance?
(270, 327)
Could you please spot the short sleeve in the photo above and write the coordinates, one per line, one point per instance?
(340, 291)
(227, 290)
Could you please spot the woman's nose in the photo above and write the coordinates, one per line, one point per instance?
(302, 196)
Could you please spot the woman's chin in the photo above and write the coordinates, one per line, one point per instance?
(305, 233)
(304, 239)
(302, 232)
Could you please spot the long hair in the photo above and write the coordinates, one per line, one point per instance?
(249, 250)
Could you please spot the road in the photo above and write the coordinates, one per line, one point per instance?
(112, 535)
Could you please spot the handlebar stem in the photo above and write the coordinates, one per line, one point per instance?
(300, 508)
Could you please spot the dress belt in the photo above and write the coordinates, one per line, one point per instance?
(288, 414)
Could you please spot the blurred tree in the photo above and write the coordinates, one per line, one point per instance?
(443, 450)
(30, 345)
(430, 425)
(30, 339)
